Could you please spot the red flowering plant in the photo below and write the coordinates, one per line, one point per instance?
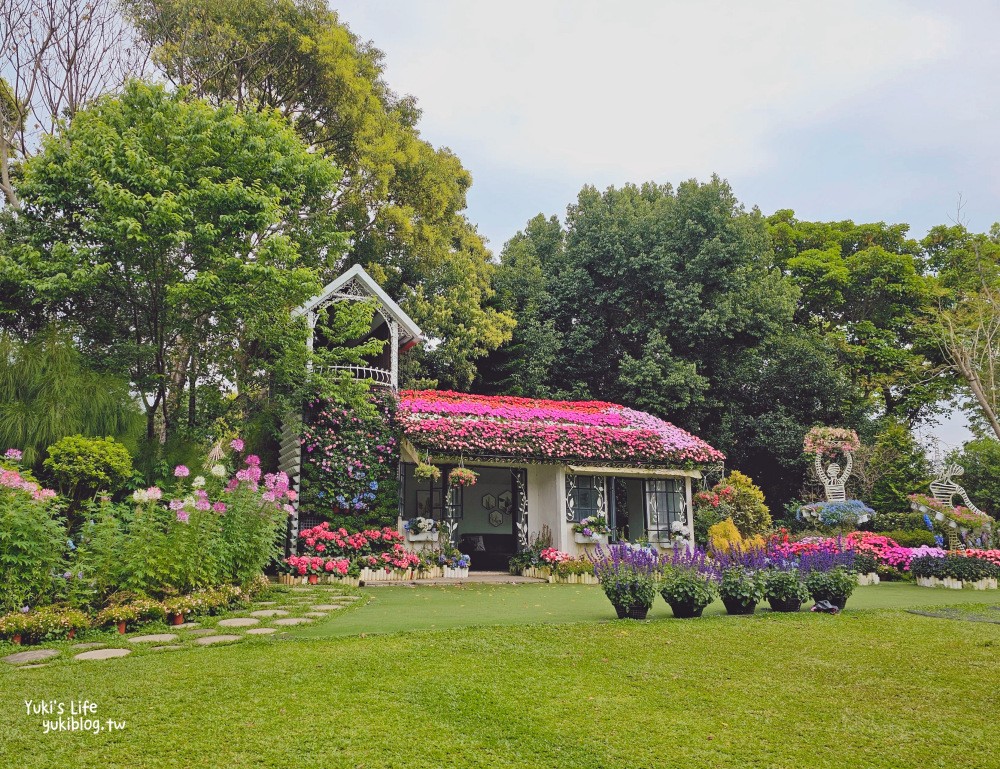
(349, 551)
(459, 424)
(349, 460)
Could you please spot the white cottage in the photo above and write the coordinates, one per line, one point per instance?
(541, 464)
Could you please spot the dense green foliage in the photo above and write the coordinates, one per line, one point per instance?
(125, 236)
(399, 196)
(47, 392)
(32, 550)
(349, 462)
(80, 467)
(669, 300)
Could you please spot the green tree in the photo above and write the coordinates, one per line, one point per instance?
(867, 286)
(669, 301)
(178, 236)
(967, 316)
(980, 459)
(47, 392)
(399, 197)
(889, 467)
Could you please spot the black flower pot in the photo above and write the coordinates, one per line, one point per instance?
(635, 611)
(790, 604)
(840, 601)
(736, 606)
(685, 609)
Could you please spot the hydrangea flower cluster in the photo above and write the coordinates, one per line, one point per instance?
(463, 424)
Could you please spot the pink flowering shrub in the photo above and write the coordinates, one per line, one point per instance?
(830, 441)
(206, 530)
(370, 548)
(32, 540)
(552, 556)
(463, 424)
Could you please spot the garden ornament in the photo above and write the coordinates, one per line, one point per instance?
(944, 489)
(834, 481)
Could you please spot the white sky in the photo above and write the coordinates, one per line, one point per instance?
(872, 111)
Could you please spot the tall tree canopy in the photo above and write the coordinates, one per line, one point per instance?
(176, 237)
(668, 300)
(399, 198)
(867, 287)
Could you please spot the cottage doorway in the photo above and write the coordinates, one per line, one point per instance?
(486, 531)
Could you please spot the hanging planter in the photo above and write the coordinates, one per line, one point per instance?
(461, 477)
(425, 471)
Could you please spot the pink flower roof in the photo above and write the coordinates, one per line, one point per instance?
(461, 424)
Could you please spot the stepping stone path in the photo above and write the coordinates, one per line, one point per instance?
(266, 603)
(315, 614)
(261, 631)
(292, 621)
(29, 667)
(103, 654)
(239, 622)
(84, 647)
(35, 655)
(217, 639)
(269, 613)
(171, 647)
(202, 631)
(301, 589)
(186, 625)
(156, 638)
(328, 607)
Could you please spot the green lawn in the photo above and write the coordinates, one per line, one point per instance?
(873, 688)
(398, 608)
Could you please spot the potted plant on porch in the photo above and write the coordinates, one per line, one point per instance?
(628, 578)
(591, 530)
(421, 529)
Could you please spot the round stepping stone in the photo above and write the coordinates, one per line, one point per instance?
(217, 639)
(239, 622)
(292, 621)
(35, 655)
(266, 603)
(84, 647)
(103, 654)
(301, 589)
(170, 647)
(315, 614)
(186, 625)
(202, 631)
(328, 607)
(269, 613)
(156, 638)
(261, 631)
(29, 667)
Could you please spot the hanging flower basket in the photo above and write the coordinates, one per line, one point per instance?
(424, 471)
(461, 477)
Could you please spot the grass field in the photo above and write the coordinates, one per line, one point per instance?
(871, 688)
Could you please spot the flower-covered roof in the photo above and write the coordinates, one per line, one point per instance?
(460, 424)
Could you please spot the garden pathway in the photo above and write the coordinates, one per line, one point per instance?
(300, 606)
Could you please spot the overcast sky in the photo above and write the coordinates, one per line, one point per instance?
(871, 111)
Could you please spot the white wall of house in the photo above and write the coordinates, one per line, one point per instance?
(546, 502)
